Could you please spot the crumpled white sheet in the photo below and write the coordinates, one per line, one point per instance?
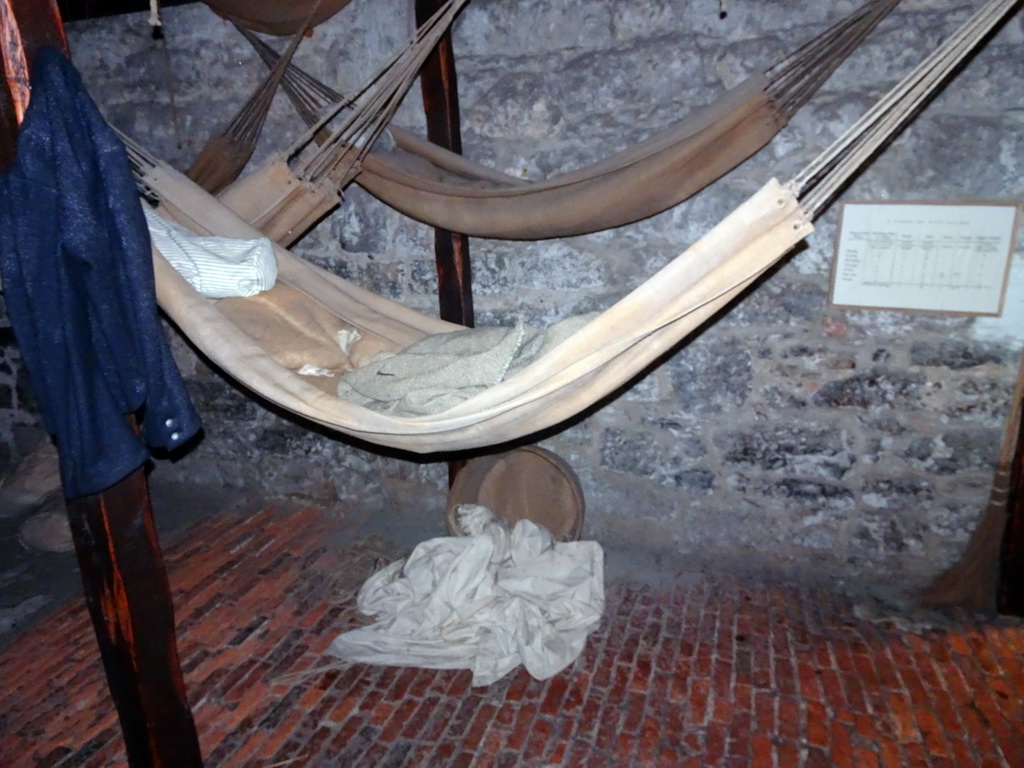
(487, 602)
(217, 267)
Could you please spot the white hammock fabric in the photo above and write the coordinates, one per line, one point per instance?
(591, 364)
(577, 373)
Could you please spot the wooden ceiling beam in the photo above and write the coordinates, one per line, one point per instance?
(77, 10)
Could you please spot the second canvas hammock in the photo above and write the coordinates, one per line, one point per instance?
(309, 305)
(445, 190)
(277, 17)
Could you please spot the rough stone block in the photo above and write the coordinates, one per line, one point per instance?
(955, 450)
(877, 387)
(956, 354)
(712, 376)
(806, 450)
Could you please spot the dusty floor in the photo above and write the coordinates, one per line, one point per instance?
(687, 669)
(34, 583)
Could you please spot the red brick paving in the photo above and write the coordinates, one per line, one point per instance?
(710, 671)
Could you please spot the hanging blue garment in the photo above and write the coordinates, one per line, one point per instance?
(78, 284)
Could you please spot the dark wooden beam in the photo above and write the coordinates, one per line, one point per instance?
(24, 26)
(76, 10)
(441, 105)
(440, 89)
(1010, 598)
(123, 574)
(8, 113)
(38, 23)
(129, 601)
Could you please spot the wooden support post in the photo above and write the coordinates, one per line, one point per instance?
(1010, 597)
(129, 601)
(441, 105)
(8, 123)
(439, 86)
(24, 26)
(9, 69)
(122, 567)
(989, 576)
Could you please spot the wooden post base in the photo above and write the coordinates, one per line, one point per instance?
(129, 600)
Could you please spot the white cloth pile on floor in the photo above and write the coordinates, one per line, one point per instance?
(487, 602)
(217, 267)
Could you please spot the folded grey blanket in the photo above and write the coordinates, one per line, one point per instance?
(440, 371)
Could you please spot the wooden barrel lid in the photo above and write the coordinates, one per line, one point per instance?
(527, 483)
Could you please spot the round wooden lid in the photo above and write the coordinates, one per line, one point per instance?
(527, 483)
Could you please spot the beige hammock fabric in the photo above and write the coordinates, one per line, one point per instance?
(283, 201)
(226, 154)
(276, 17)
(442, 189)
(592, 363)
(648, 178)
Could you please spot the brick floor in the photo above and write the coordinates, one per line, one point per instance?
(710, 671)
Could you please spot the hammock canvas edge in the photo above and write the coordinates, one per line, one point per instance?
(574, 375)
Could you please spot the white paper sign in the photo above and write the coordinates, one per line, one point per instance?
(951, 258)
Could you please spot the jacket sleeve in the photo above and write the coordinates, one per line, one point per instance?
(79, 288)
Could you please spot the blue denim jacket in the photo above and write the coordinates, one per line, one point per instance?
(78, 284)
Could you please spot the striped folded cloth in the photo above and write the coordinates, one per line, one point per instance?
(217, 267)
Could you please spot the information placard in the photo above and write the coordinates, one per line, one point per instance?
(929, 257)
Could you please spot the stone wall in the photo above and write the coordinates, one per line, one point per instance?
(19, 423)
(788, 433)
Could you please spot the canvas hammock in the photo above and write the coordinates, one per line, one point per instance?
(445, 190)
(284, 204)
(214, 167)
(251, 338)
(277, 17)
